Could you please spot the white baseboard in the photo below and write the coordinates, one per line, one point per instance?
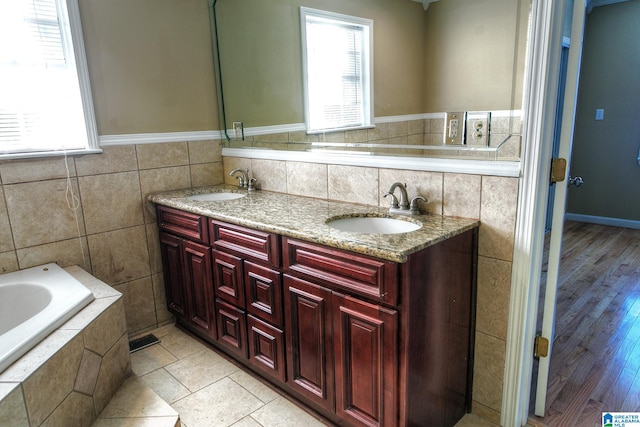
(603, 220)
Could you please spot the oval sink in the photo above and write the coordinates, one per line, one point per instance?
(373, 225)
(215, 197)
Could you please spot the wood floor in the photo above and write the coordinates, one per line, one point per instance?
(595, 365)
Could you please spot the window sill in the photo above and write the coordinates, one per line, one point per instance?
(57, 153)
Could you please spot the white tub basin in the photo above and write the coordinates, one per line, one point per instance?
(215, 197)
(373, 225)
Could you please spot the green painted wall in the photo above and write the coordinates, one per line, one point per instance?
(605, 152)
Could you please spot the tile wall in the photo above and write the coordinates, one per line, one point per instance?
(491, 199)
(96, 215)
(115, 235)
(505, 136)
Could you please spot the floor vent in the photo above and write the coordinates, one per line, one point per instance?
(142, 342)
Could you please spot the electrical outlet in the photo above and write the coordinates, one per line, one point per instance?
(478, 128)
(238, 130)
(454, 128)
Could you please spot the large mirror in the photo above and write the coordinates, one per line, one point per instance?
(429, 58)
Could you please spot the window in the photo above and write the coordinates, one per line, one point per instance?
(45, 102)
(336, 54)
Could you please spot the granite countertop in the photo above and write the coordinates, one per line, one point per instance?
(305, 218)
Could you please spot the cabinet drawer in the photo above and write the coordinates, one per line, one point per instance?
(342, 270)
(252, 244)
(263, 288)
(232, 328)
(266, 348)
(183, 224)
(227, 278)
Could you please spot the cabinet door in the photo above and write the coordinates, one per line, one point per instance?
(309, 344)
(171, 252)
(227, 278)
(263, 292)
(197, 278)
(366, 362)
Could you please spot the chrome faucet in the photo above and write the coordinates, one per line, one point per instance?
(243, 179)
(403, 207)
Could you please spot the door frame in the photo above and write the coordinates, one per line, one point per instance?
(541, 88)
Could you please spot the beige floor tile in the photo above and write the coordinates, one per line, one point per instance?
(283, 413)
(137, 422)
(151, 358)
(135, 399)
(166, 386)
(254, 386)
(220, 404)
(180, 344)
(201, 369)
(247, 422)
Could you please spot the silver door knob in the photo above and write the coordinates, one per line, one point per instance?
(576, 180)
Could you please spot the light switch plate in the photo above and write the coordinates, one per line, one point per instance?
(454, 128)
(478, 128)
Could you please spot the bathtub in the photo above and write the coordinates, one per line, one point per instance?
(33, 303)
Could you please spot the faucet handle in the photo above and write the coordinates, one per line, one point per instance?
(394, 200)
(414, 206)
(251, 186)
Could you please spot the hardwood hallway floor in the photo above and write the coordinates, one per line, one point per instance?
(595, 365)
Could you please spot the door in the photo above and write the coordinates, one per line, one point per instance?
(366, 360)
(171, 252)
(197, 277)
(559, 201)
(309, 341)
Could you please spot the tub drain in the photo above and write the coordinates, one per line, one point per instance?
(142, 342)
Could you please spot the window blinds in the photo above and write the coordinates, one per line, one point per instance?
(40, 101)
(336, 71)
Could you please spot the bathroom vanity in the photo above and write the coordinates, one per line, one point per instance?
(366, 329)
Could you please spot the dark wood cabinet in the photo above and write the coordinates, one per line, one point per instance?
(188, 282)
(366, 361)
(267, 348)
(363, 341)
(232, 328)
(308, 330)
(263, 289)
(171, 253)
(228, 278)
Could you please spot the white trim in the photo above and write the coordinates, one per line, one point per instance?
(603, 220)
(157, 138)
(540, 98)
(52, 153)
(408, 117)
(75, 25)
(476, 167)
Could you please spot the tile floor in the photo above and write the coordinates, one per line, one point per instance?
(208, 390)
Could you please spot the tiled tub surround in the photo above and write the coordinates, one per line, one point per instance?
(305, 218)
(505, 139)
(70, 376)
(115, 236)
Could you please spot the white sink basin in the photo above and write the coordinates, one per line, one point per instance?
(372, 225)
(215, 197)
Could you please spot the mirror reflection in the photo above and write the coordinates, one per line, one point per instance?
(431, 61)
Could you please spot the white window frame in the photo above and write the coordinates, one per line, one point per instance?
(367, 66)
(70, 27)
